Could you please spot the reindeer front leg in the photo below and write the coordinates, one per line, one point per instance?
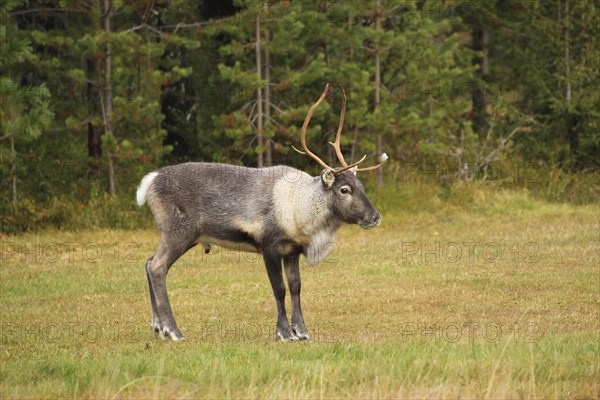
(273, 264)
(292, 271)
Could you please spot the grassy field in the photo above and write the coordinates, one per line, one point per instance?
(496, 298)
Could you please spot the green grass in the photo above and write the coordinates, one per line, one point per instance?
(492, 296)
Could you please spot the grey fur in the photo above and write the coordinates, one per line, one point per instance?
(280, 212)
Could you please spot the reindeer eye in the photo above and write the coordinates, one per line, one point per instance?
(345, 190)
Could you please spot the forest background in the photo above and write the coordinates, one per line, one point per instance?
(463, 96)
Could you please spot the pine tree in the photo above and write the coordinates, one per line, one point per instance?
(24, 109)
(550, 58)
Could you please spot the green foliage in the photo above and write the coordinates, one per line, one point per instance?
(184, 88)
(25, 111)
(546, 50)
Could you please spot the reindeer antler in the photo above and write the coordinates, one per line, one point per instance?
(338, 136)
(303, 135)
(336, 144)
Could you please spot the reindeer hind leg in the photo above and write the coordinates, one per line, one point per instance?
(167, 253)
(155, 323)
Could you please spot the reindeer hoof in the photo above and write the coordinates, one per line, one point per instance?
(155, 326)
(281, 338)
(286, 335)
(302, 336)
(301, 333)
(166, 333)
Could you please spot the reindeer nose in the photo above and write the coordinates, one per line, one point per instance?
(377, 219)
(371, 221)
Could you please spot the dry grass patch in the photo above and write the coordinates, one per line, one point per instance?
(494, 300)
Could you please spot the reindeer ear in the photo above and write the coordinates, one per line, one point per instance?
(327, 177)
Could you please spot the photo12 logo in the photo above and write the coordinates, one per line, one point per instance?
(471, 331)
(78, 332)
(457, 252)
(68, 252)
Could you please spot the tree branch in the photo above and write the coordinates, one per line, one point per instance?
(46, 9)
(493, 155)
(277, 123)
(144, 26)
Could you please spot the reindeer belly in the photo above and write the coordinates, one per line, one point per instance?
(231, 236)
(238, 240)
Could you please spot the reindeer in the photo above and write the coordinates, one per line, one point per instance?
(279, 212)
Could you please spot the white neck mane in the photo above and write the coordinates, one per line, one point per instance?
(303, 213)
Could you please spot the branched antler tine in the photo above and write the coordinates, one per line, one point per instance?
(305, 126)
(383, 158)
(347, 167)
(371, 168)
(337, 144)
(299, 151)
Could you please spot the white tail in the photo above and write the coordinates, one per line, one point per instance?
(143, 188)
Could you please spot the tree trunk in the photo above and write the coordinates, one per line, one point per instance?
(94, 143)
(268, 147)
(13, 155)
(13, 169)
(355, 137)
(108, 95)
(378, 139)
(94, 131)
(259, 99)
(571, 117)
(479, 95)
(567, 33)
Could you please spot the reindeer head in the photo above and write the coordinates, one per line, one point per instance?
(346, 193)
